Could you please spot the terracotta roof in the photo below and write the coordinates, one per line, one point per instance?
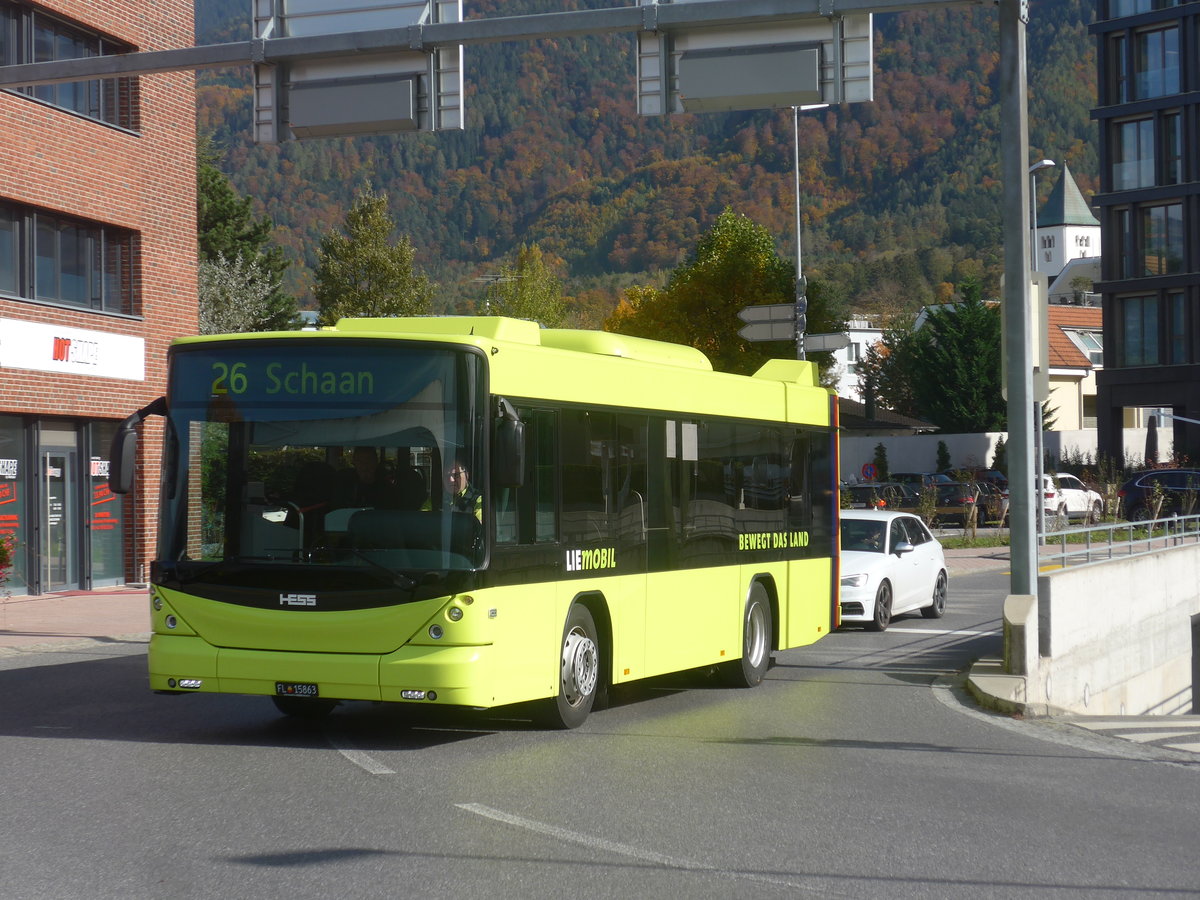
(1063, 352)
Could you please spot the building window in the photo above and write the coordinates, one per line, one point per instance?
(1177, 333)
(1118, 70)
(1123, 237)
(1139, 316)
(28, 35)
(65, 261)
(1091, 343)
(1133, 155)
(1156, 63)
(1172, 149)
(1119, 9)
(1162, 239)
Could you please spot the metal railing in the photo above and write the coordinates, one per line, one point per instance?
(1093, 544)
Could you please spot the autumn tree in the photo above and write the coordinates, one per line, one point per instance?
(362, 272)
(734, 265)
(236, 244)
(527, 289)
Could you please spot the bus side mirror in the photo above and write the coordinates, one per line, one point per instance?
(122, 453)
(508, 447)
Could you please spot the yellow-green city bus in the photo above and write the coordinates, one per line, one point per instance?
(475, 511)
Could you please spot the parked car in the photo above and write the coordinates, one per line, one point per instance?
(989, 476)
(879, 495)
(1180, 490)
(920, 478)
(1065, 497)
(992, 503)
(890, 564)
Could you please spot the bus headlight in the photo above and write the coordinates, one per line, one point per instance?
(435, 632)
(454, 613)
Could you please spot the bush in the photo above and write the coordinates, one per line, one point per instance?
(6, 557)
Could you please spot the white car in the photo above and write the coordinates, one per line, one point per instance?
(890, 564)
(1066, 497)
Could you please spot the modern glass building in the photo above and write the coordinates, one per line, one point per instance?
(1149, 118)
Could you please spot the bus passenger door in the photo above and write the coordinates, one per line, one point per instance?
(687, 595)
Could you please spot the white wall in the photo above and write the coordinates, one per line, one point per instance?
(918, 453)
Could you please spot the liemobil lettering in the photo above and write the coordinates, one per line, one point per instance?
(772, 540)
(590, 560)
(297, 599)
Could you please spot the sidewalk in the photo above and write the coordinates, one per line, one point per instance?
(52, 621)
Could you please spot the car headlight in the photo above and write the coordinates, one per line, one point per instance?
(854, 580)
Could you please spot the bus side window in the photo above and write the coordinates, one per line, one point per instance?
(587, 470)
(528, 514)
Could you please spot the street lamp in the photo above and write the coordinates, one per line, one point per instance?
(801, 282)
(1033, 170)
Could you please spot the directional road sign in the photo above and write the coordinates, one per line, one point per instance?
(768, 312)
(818, 343)
(768, 331)
(769, 322)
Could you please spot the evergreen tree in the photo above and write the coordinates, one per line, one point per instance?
(528, 289)
(227, 232)
(955, 375)
(734, 265)
(361, 273)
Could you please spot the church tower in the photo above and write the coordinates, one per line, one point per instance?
(1066, 228)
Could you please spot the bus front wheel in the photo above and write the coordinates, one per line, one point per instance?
(750, 670)
(578, 674)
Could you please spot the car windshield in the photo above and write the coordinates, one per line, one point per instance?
(352, 459)
(858, 534)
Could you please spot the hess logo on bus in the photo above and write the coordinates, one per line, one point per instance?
(297, 599)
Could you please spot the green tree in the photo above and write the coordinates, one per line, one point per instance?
(885, 367)
(527, 289)
(360, 272)
(228, 232)
(955, 369)
(734, 265)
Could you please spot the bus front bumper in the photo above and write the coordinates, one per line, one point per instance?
(458, 676)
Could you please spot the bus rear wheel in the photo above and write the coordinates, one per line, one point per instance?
(751, 669)
(304, 707)
(578, 674)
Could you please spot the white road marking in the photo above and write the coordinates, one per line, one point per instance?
(363, 760)
(595, 843)
(903, 630)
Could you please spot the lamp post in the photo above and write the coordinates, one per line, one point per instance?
(801, 281)
(1033, 170)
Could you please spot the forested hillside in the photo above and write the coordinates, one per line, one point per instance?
(900, 196)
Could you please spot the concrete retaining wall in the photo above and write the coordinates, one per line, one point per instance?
(1112, 639)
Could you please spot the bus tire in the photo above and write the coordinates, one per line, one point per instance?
(750, 670)
(578, 673)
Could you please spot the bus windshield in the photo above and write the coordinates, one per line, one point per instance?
(343, 455)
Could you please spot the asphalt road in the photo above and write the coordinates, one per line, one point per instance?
(856, 770)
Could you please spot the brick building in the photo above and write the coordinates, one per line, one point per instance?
(97, 275)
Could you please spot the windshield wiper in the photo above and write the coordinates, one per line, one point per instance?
(397, 578)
